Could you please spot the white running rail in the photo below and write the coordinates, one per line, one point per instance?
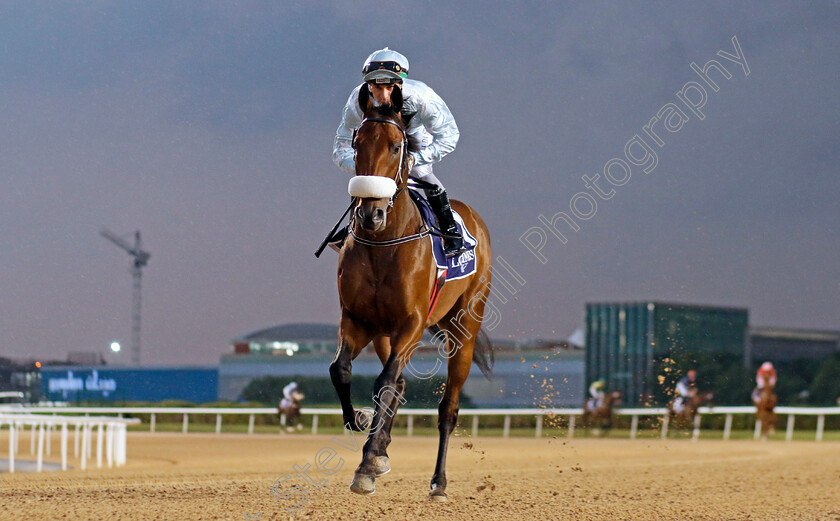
(110, 437)
(571, 413)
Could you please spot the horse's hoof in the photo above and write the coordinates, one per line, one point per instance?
(381, 465)
(363, 484)
(438, 495)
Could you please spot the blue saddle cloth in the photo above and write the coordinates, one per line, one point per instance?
(457, 267)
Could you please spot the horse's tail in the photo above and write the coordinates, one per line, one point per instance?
(483, 354)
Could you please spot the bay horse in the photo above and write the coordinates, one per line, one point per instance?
(689, 410)
(291, 412)
(765, 410)
(603, 413)
(386, 275)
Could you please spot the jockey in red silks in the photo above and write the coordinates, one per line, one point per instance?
(765, 377)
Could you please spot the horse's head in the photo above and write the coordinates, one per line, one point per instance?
(382, 159)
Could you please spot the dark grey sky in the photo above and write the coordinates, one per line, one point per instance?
(209, 127)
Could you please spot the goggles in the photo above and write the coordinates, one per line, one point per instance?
(391, 66)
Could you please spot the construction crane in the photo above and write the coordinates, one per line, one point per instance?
(141, 258)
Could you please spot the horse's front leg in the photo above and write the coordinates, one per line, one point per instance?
(388, 394)
(351, 340)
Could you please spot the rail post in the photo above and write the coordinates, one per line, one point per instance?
(538, 430)
(727, 427)
(99, 440)
(12, 435)
(186, 421)
(820, 426)
(64, 446)
(39, 465)
(506, 430)
(634, 426)
(789, 430)
(152, 423)
(251, 424)
(76, 440)
(314, 424)
(409, 426)
(572, 426)
(475, 426)
(218, 424)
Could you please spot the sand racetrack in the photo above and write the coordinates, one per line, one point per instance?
(230, 476)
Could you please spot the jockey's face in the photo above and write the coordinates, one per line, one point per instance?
(381, 92)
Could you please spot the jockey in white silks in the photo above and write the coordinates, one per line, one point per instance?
(291, 395)
(427, 120)
(686, 389)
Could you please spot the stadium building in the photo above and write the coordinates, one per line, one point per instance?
(786, 345)
(625, 342)
(524, 375)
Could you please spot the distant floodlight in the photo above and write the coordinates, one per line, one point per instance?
(115, 347)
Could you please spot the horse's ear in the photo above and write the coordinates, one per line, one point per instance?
(397, 98)
(364, 98)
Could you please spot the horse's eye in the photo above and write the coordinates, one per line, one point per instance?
(397, 148)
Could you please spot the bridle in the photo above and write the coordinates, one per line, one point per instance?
(398, 179)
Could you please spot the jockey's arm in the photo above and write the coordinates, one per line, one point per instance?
(683, 389)
(344, 156)
(438, 121)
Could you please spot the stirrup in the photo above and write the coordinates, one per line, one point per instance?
(453, 247)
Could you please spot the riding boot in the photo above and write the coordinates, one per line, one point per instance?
(336, 240)
(454, 243)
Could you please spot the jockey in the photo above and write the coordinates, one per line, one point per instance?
(291, 394)
(596, 391)
(765, 377)
(427, 119)
(686, 389)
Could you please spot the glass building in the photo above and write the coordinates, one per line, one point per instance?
(627, 342)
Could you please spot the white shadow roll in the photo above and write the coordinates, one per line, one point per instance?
(372, 186)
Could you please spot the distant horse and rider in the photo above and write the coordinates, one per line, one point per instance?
(764, 398)
(598, 408)
(391, 288)
(682, 410)
(289, 408)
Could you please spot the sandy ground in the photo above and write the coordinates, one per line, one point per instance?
(207, 476)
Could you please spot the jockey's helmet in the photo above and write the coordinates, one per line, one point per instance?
(385, 66)
(767, 366)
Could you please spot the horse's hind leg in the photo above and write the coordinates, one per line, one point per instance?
(461, 352)
(352, 339)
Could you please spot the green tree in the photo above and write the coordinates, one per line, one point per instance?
(825, 389)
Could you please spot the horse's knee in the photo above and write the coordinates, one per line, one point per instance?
(340, 372)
